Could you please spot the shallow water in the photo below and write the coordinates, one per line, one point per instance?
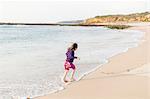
(32, 57)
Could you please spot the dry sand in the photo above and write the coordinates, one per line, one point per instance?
(125, 76)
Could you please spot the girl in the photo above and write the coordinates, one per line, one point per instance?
(69, 61)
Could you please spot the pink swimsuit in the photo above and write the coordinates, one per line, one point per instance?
(69, 65)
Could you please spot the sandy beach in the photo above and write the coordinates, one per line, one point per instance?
(125, 76)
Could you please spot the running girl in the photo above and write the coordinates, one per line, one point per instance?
(69, 61)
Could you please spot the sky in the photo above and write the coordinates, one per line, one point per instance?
(50, 11)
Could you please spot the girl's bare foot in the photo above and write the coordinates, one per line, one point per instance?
(65, 80)
(72, 79)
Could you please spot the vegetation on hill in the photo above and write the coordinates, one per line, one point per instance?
(136, 17)
(117, 26)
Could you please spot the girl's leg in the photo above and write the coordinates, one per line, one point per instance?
(65, 74)
(72, 76)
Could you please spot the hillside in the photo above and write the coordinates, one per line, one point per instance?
(136, 17)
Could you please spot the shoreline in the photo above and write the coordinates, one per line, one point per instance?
(105, 72)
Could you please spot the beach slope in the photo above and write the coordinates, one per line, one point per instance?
(125, 76)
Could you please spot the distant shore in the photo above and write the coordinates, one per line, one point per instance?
(116, 25)
(59, 24)
(3, 23)
(108, 25)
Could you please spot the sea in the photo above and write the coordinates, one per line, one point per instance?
(32, 56)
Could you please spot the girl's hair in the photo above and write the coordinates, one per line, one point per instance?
(73, 46)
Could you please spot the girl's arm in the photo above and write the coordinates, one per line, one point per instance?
(74, 57)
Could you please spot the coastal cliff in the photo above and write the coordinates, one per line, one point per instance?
(136, 17)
